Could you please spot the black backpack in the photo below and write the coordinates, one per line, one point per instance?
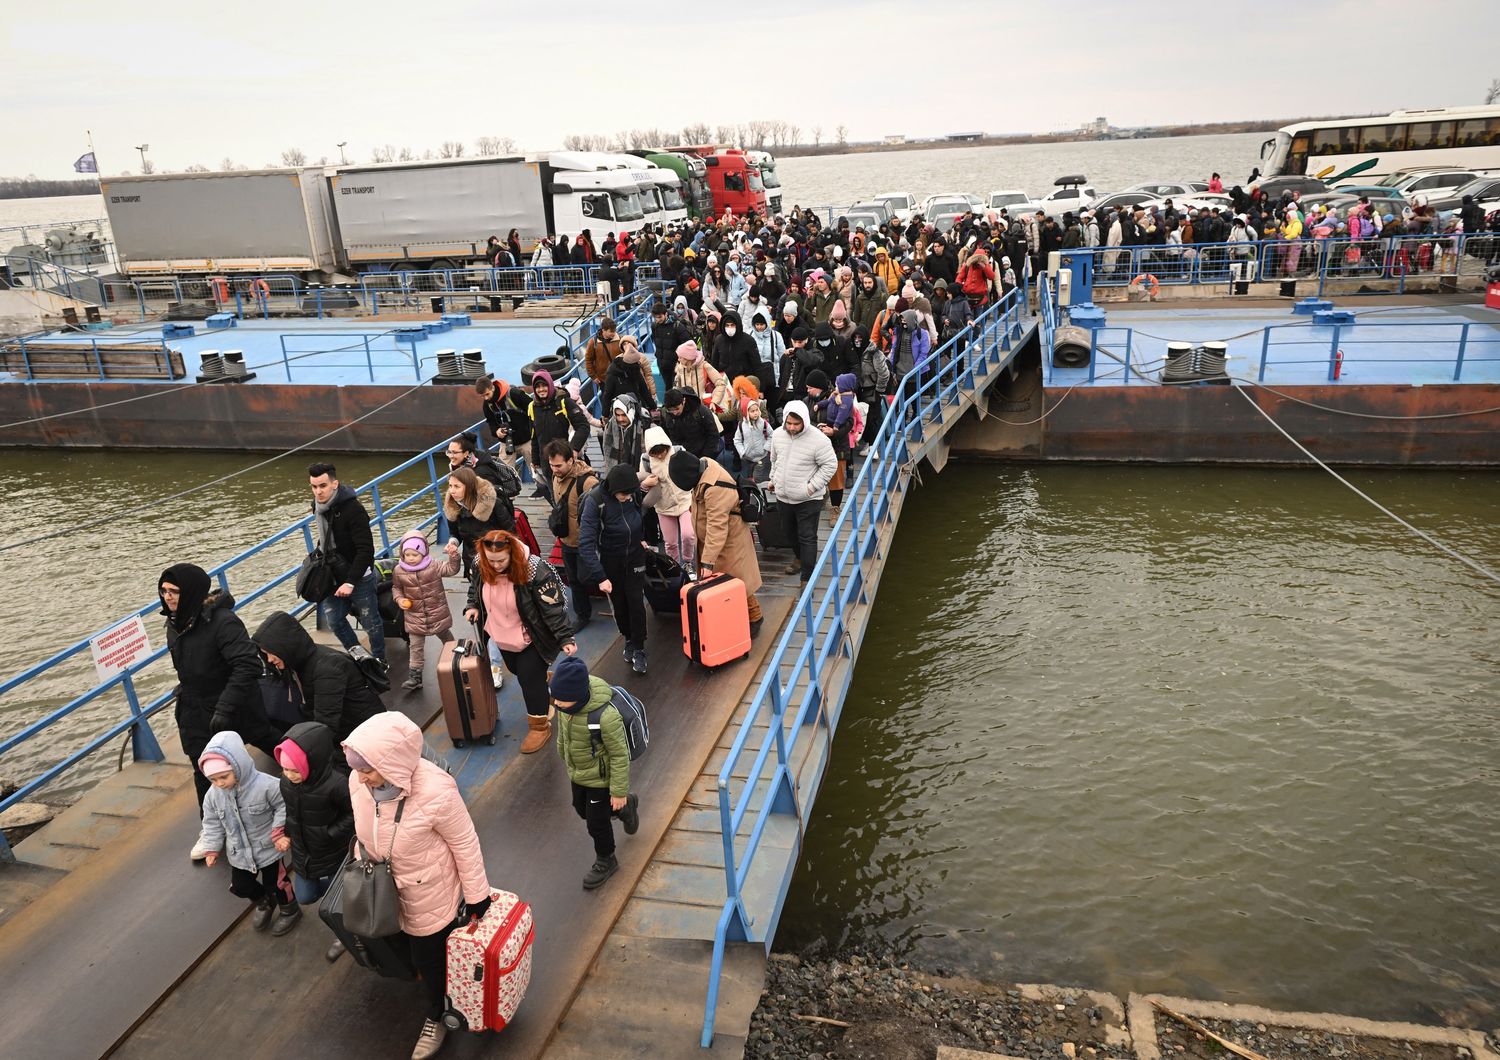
(752, 499)
(557, 519)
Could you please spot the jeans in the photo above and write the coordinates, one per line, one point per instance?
(362, 601)
(309, 891)
(800, 524)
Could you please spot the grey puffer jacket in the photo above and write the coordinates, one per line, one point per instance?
(240, 820)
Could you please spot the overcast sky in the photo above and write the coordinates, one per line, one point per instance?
(200, 82)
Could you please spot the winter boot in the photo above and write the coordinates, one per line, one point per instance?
(603, 869)
(261, 918)
(413, 681)
(286, 919)
(540, 733)
(630, 816)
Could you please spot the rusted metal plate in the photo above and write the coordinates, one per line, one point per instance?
(229, 416)
(1213, 424)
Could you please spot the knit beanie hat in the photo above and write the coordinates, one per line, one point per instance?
(620, 479)
(790, 309)
(684, 470)
(213, 763)
(689, 351)
(838, 314)
(799, 334)
(570, 681)
(290, 756)
(817, 378)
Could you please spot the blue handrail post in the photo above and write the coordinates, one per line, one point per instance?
(1265, 349)
(369, 361)
(143, 744)
(99, 364)
(239, 305)
(26, 358)
(319, 293)
(437, 496)
(141, 297)
(1093, 352)
(385, 537)
(1333, 354)
(1129, 341)
(1458, 362)
(286, 362)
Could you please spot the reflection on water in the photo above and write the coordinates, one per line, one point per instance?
(1225, 733)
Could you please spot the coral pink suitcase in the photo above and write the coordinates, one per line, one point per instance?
(489, 966)
(715, 620)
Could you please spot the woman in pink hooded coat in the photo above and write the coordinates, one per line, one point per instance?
(433, 850)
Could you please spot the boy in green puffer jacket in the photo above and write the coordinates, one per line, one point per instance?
(600, 777)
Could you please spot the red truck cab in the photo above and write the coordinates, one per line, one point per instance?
(734, 182)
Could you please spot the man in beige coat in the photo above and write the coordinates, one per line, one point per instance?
(724, 541)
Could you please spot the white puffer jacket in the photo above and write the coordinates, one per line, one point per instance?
(802, 463)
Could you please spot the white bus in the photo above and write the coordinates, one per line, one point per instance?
(1338, 148)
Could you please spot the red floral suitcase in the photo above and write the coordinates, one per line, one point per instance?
(489, 966)
(715, 620)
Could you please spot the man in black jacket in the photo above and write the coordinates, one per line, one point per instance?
(334, 690)
(344, 536)
(507, 410)
(734, 353)
(667, 333)
(689, 424)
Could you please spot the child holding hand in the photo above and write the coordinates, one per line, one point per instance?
(417, 586)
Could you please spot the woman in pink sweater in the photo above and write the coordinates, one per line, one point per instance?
(409, 813)
(516, 600)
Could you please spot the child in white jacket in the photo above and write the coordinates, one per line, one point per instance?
(752, 440)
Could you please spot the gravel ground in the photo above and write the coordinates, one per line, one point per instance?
(1290, 1043)
(897, 1013)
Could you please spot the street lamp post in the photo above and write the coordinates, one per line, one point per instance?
(143, 148)
(343, 158)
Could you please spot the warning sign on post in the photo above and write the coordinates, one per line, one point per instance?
(120, 647)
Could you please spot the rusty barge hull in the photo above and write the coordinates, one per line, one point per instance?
(230, 416)
(1379, 426)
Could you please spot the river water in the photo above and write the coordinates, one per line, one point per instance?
(1214, 732)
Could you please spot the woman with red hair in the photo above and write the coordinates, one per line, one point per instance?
(516, 601)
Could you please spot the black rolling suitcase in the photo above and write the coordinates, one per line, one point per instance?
(769, 529)
(389, 957)
(664, 581)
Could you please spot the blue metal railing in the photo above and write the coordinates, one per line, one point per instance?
(47, 277)
(1386, 263)
(628, 311)
(817, 638)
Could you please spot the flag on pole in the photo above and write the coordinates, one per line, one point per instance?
(86, 164)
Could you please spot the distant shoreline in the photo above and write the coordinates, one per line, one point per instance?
(1155, 132)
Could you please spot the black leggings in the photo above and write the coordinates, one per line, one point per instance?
(531, 671)
(627, 580)
(429, 955)
(260, 885)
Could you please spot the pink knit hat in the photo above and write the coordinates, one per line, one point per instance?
(689, 352)
(291, 756)
(211, 764)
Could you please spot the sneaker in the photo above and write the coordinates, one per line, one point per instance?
(199, 851)
(603, 869)
(412, 683)
(630, 816)
(433, 1035)
(286, 919)
(638, 660)
(261, 918)
(495, 675)
(629, 655)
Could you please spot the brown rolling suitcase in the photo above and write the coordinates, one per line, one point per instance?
(468, 691)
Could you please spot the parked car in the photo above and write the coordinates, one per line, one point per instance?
(1308, 186)
(948, 200)
(1381, 204)
(1190, 202)
(874, 206)
(1429, 182)
(902, 204)
(1073, 193)
(866, 219)
(1008, 199)
(1119, 199)
(1170, 189)
(1482, 188)
(1366, 189)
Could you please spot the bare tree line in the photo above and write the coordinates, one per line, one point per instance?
(758, 135)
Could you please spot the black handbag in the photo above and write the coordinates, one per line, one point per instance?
(316, 580)
(371, 904)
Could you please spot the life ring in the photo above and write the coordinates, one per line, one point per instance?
(221, 289)
(261, 289)
(1152, 283)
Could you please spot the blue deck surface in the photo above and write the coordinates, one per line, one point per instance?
(332, 352)
(1415, 345)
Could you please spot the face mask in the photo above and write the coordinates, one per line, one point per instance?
(731, 330)
(825, 343)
